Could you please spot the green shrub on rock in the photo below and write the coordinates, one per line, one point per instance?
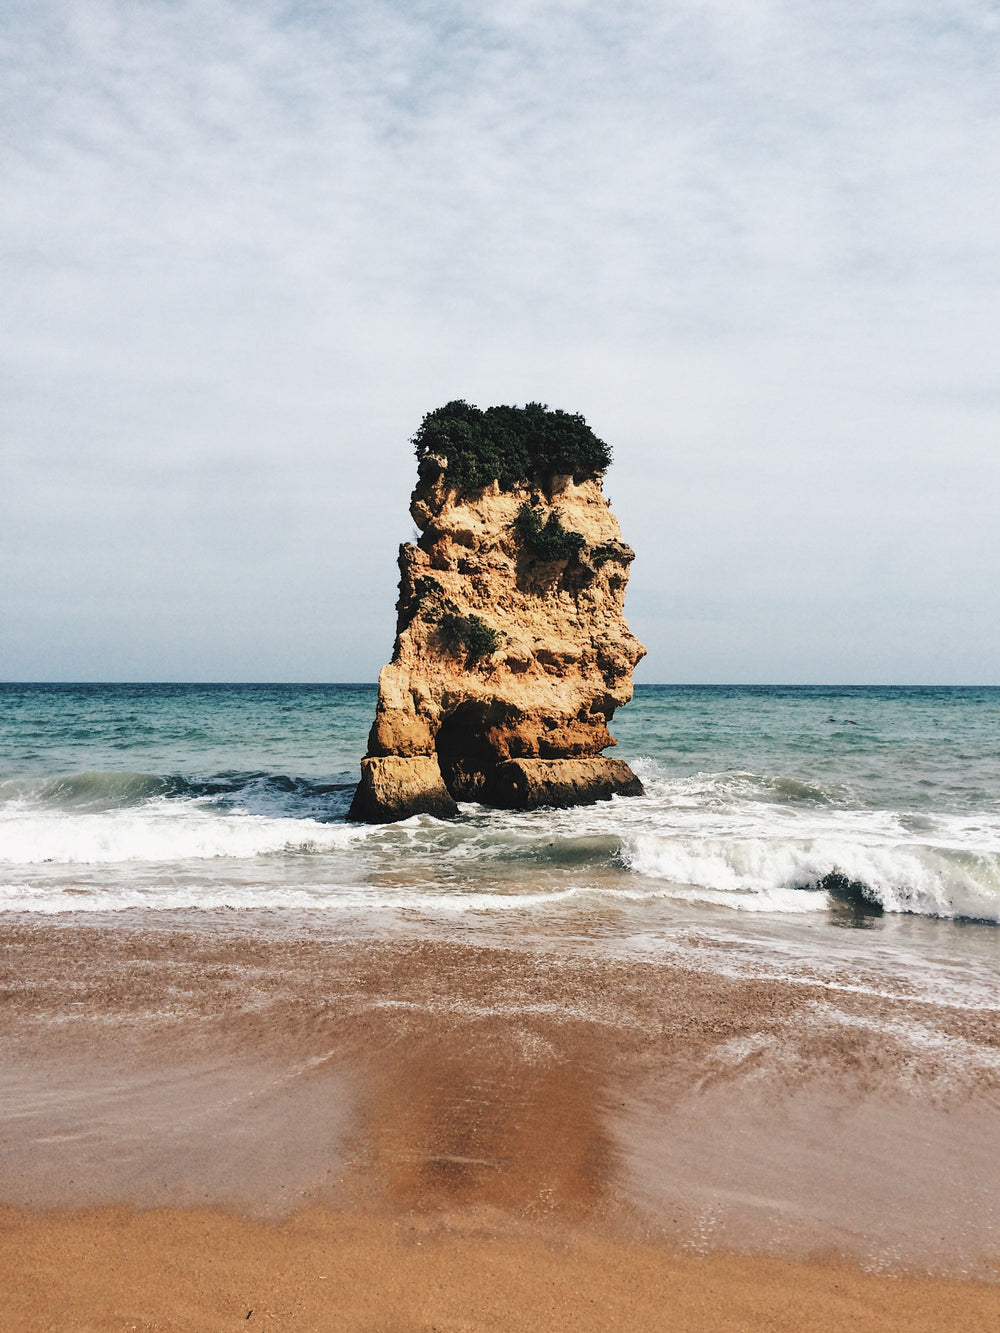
(471, 633)
(481, 639)
(549, 540)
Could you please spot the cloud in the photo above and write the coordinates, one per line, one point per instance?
(247, 245)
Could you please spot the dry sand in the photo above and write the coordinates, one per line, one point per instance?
(403, 1135)
(205, 1270)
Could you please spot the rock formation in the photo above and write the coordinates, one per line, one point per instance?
(512, 651)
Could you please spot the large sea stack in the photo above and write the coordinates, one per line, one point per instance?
(512, 651)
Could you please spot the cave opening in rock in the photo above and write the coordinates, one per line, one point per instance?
(465, 756)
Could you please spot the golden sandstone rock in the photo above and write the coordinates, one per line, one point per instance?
(512, 651)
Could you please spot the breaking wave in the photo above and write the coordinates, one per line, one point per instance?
(795, 875)
(112, 791)
(749, 842)
(772, 844)
(106, 818)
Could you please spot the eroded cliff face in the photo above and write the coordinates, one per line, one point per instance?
(511, 654)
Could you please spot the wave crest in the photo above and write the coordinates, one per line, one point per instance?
(771, 873)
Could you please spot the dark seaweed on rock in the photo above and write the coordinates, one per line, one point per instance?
(510, 444)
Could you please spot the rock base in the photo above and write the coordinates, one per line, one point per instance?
(393, 788)
(526, 784)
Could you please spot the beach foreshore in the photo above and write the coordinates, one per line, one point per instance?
(208, 1117)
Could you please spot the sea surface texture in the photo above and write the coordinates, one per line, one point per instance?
(846, 806)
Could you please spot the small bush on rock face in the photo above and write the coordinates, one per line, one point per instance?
(424, 599)
(480, 639)
(549, 540)
(600, 555)
(509, 444)
(470, 633)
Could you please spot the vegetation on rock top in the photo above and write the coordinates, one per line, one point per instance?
(509, 444)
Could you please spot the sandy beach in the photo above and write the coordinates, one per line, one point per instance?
(207, 1118)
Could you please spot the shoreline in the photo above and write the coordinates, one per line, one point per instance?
(520, 1110)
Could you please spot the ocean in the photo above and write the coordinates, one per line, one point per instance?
(846, 807)
(755, 1007)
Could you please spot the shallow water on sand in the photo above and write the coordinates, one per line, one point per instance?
(701, 1100)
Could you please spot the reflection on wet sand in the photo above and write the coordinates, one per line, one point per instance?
(487, 1128)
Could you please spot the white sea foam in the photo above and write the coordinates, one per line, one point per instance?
(774, 874)
(749, 843)
(159, 831)
(720, 837)
(325, 896)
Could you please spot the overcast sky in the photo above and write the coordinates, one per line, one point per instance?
(246, 246)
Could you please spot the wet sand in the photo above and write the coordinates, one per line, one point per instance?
(414, 1134)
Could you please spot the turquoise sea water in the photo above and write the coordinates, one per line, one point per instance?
(846, 805)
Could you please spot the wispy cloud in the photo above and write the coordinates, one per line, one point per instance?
(246, 245)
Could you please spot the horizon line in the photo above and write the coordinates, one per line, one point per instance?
(639, 685)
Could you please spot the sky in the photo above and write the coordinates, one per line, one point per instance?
(245, 246)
